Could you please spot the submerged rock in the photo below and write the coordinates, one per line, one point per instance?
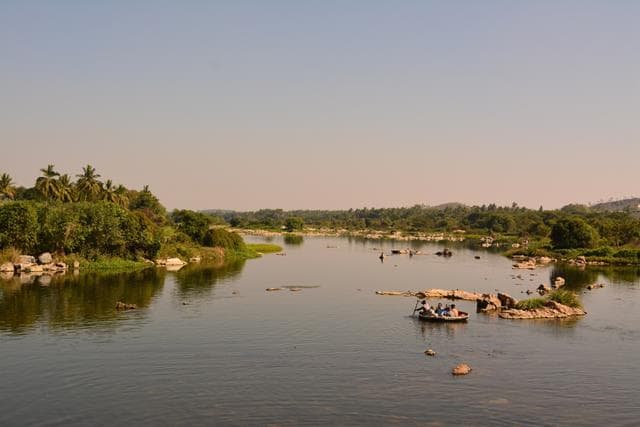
(124, 306)
(273, 289)
(430, 352)
(461, 369)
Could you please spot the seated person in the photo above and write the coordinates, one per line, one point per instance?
(454, 311)
(424, 308)
(446, 311)
(439, 309)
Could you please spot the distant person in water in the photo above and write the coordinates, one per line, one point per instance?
(381, 256)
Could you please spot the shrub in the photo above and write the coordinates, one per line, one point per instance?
(18, 226)
(565, 297)
(221, 238)
(531, 304)
(573, 232)
(193, 224)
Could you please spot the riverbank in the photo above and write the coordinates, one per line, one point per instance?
(511, 246)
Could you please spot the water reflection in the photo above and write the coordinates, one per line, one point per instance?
(293, 239)
(73, 300)
(196, 280)
(578, 278)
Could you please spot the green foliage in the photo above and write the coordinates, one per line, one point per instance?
(531, 304)
(221, 238)
(573, 232)
(193, 224)
(293, 239)
(7, 188)
(145, 202)
(18, 226)
(293, 223)
(264, 248)
(565, 297)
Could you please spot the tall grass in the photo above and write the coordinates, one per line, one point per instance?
(565, 297)
(531, 304)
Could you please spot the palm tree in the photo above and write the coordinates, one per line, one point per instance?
(123, 195)
(109, 192)
(47, 184)
(7, 189)
(88, 185)
(66, 190)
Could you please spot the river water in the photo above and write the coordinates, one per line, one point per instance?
(209, 346)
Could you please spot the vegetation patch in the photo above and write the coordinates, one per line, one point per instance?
(531, 304)
(565, 297)
(264, 248)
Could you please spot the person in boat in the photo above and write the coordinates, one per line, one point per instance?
(453, 312)
(424, 307)
(439, 309)
(446, 311)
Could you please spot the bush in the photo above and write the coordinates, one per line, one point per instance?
(627, 253)
(18, 226)
(573, 232)
(531, 304)
(604, 251)
(193, 224)
(565, 297)
(221, 238)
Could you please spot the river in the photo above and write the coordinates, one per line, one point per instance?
(209, 346)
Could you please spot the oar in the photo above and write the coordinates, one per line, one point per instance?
(413, 313)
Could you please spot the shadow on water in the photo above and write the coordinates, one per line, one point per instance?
(194, 280)
(69, 300)
(578, 278)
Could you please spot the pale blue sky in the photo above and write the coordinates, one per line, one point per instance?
(327, 104)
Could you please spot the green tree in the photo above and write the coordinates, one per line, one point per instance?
(193, 224)
(293, 223)
(18, 226)
(145, 202)
(47, 184)
(573, 232)
(66, 189)
(7, 187)
(88, 185)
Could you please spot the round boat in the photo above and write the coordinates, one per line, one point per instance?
(462, 317)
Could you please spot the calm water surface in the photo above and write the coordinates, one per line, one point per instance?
(211, 346)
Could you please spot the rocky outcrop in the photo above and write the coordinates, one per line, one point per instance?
(26, 259)
(461, 369)
(551, 310)
(45, 258)
(507, 300)
(488, 302)
(525, 265)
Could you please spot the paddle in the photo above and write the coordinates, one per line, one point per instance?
(413, 313)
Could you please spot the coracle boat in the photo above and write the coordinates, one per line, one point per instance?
(462, 317)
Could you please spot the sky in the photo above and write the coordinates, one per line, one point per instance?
(327, 104)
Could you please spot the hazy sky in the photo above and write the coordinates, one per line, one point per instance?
(327, 104)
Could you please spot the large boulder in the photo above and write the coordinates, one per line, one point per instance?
(45, 258)
(507, 300)
(558, 282)
(174, 261)
(488, 302)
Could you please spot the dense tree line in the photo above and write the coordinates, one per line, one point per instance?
(92, 218)
(569, 227)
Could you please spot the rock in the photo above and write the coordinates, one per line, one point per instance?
(26, 259)
(174, 261)
(76, 265)
(488, 303)
(295, 289)
(525, 265)
(551, 310)
(273, 289)
(195, 259)
(430, 352)
(7, 267)
(558, 282)
(33, 268)
(123, 306)
(461, 369)
(45, 258)
(595, 286)
(543, 290)
(507, 300)
(544, 260)
(6, 275)
(61, 265)
(477, 257)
